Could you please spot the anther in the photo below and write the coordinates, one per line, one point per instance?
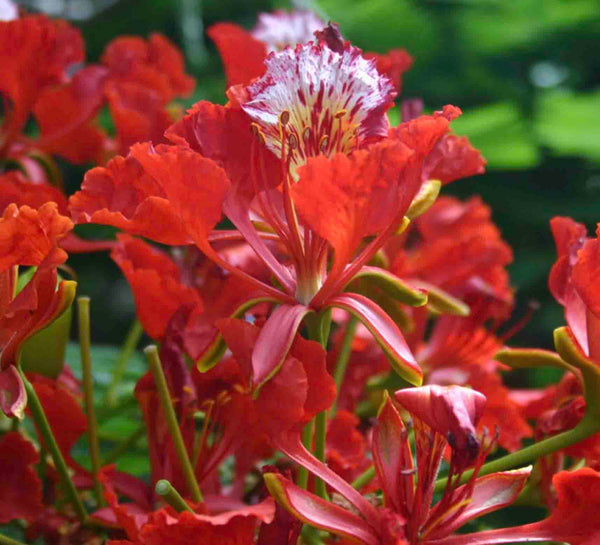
(284, 117)
(293, 141)
(306, 133)
(256, 131)
(323, 143)
(340, 113)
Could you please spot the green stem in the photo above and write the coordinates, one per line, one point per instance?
(584, 429)
(168, 493)
(165, 399)
(343, 359)
(307, 435)
(318, 330)
(320, 438)
(43, 427)
(364, 478)
(5, 540)
(131, 341)
(83, 315)
(125, 445)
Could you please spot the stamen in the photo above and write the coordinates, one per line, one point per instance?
(293, 141)
(323, 143)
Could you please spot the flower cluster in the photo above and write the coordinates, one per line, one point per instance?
(330, 335)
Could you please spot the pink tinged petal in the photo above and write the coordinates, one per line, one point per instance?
(391, 454)
(334, 101)
(452, 411)
(286, 28)
(319, 513)
(275, 341)
(490, 493)
(291, 445)
(385, 331)
(13, 398)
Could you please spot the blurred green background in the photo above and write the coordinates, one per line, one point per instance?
(525, 72)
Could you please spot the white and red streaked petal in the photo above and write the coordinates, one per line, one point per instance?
(318, 101)
(281, 29)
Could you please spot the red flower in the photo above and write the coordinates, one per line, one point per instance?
(28, 237)
(407, 483)
(235, 527)
(304, 136)
(477, 271)
(20, 487)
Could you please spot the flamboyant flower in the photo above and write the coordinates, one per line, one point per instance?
(442, 416)
(231, 527)
(20, 487)
(243, 53)
(305, 168)
(476, 273)
(28, 237)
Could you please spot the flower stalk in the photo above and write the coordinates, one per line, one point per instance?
(168, 493)
(343, 359)
(153, 358)
(83, 315)
(43, 427)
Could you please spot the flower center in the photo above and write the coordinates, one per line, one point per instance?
(314, 101)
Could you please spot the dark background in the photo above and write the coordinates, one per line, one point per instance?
(526, 74)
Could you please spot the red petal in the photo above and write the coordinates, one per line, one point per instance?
(242, 55)
(275, 341)
(28, 236)
(291, 445)
(123, 195)
(20, 487)
(385, 331)
(37, 305)
(319, 513)
(575, 519)
(391, 454)
(585, 273)
(321, 386)
(155, 281)
(139, 114)
(155, 64)
(63, 411)
(454, 158)
(14, 188)
(195, 186)
(348, 197)
(213, 131)
(13, 397)
(490, 493)
(35, 51)
(346, 446)
(392, 64)
(64, 115)
(230, 528)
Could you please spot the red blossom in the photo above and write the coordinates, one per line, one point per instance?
(20, 488)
